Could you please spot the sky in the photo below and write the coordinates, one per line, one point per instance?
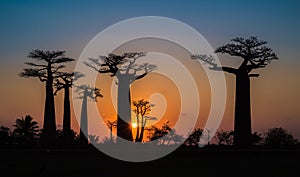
(70, 25)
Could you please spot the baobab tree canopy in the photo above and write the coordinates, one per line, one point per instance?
(253, 51)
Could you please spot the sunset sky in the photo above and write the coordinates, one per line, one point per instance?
(70, 25)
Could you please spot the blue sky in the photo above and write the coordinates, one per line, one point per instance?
(26, 25)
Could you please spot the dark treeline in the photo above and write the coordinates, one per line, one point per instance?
(26, 133)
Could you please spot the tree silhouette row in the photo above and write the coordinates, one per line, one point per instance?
(253, 52)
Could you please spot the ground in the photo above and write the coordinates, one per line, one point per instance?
(89, 162)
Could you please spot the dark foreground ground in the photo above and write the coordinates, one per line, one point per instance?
(89, 162)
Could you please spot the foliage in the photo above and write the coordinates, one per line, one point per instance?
(26, 130)
(256, 138)
(4, 135)
(224, 137)
(165, 135)
(279, 137)
(194, 137)
(94, 139)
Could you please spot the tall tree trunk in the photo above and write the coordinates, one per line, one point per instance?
(67, 117)
(137, 128)
(242, 122)
(83, 121)
(141, 134)
(111, 134)
(144, 121)
(124, 110)
(49, 126)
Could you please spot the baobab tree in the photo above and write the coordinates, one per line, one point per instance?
(254, 54)
(126, 70)
(86, 92)
(65, 82)
(111, 125)
(141, 108)
(47, 69)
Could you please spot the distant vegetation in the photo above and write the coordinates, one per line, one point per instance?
(26, 133)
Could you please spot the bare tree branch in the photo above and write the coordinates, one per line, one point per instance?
(208, 59)
(38, 65)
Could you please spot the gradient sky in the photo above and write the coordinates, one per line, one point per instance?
(70, 25)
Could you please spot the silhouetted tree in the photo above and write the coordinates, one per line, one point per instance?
(126, 70)
(26, 130)
(194, 137)
(65, 82)
(165, 134)
(224, 137)
(279, 137)
(256, 138)
(111, 125)
(141, 108)
(86, 92)
(254, 55)
(47, 68)
(159, 132)
(4, 135)
(94, 139)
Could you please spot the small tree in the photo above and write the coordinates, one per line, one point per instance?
(165, 134)
(47, 69)
(157, 133)
(256, 138)
(111, 125)
(279, 137)
(254, 55)
(94, 139)
(224, 137)
(141, 108)
(194, 137)
(26, 130)
(4, 135)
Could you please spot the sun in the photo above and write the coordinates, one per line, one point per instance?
(134, 125)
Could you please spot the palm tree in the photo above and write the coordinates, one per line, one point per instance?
(26, 129)
(47, 69)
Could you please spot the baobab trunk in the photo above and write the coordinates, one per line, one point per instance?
(242, 122)
(137, 128)
(111, 134)
(124, 110)
(83, 121)
(67, 117)
(49, 127)
(142, 134)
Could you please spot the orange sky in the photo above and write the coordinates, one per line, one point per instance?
(275, 94)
